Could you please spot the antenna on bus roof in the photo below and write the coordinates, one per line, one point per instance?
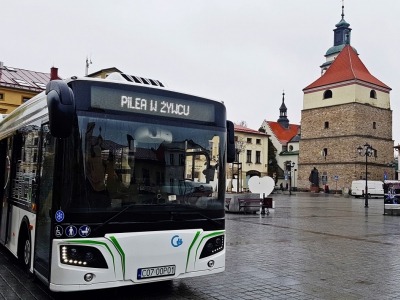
(88, 62)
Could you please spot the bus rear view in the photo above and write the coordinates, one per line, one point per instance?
(127, 185)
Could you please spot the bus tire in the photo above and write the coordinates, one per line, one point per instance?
(25, 249)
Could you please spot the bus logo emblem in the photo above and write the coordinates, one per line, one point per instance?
(70, 231)
(59, 215)
(176, 241)
(84, 231)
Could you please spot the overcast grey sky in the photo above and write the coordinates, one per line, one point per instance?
(244, 53)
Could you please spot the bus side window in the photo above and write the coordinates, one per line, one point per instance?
(25, 164)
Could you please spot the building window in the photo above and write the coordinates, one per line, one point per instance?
(327, 94)
(258, 141)
(325, 152)
(24, 99)
(248, 156)
(249, 140)
(171, 159)
(181, 159)
(290, 148)
(237, 157)
(372, 94)
(258, 157)
(374, 125)
(1, 96)
(326, 125)
(236, 138)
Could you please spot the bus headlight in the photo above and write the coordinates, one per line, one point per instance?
(83, 256)
(213, 246)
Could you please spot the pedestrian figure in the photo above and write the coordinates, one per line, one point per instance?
(287, 186)
(281, 187)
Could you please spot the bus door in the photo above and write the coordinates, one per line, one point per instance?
(5, 154)
(44, 200)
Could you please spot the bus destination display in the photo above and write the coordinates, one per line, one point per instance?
(122, 100)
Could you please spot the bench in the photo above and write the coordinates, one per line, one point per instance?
(262, 204)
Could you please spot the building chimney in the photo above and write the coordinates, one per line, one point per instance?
(53, 73)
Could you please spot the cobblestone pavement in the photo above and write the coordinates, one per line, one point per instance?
(319, 247)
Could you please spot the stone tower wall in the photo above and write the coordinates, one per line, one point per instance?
(350, 125)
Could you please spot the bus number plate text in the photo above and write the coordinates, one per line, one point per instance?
(155, 272)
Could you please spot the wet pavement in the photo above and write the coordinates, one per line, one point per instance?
(308, 247)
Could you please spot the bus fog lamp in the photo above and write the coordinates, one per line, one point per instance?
(88, 277)
(211, 263)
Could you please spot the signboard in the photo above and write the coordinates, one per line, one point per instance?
(130, 101)
(336, 177)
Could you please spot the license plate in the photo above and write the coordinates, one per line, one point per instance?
(155, 272)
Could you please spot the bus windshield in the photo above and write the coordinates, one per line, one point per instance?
(119, 163)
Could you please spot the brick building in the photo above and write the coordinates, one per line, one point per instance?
(344, 109)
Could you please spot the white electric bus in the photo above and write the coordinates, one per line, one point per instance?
(114, 182)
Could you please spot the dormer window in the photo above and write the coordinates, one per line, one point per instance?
(372, 94)
(327, 94)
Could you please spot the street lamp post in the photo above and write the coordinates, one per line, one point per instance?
(294, 174)
(288, 169)
(367, 152)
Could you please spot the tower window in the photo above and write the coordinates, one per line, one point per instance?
(372, 94)
(374, 125)
(327, 94)
(326, 125)
(325, 152)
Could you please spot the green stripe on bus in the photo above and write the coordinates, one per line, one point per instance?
(119, 248)
(91, 242)
(190, 248)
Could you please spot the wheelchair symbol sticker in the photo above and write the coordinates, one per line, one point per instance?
(59, 215)
(70, 231)
(84, 231)
(58, 231)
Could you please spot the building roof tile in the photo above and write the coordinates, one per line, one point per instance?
(243, 129)
(284, 135)
(23, 79)
(347, 66)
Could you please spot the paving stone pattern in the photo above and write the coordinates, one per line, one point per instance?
(308, 247)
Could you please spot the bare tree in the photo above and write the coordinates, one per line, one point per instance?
(242, 123)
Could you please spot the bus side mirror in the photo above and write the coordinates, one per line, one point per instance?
(61, 106)
(230, 142)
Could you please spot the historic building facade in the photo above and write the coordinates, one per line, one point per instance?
(345, 108)
(251, 158)
(285, 137)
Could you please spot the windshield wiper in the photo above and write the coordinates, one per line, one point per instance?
(172, 213)
(199, 214)
(113, 217)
